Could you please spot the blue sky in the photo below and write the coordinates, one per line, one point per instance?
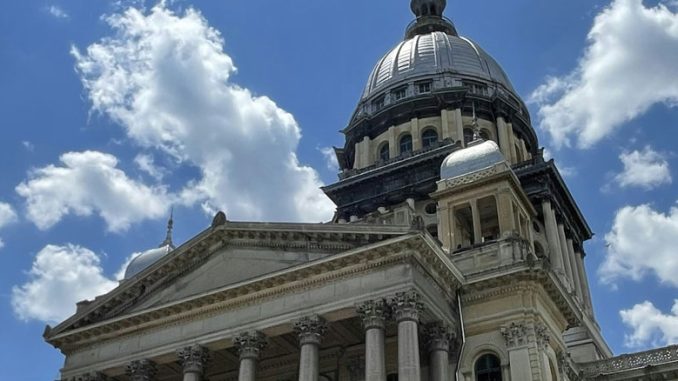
(111, 115)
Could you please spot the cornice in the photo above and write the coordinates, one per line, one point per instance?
(413, 248)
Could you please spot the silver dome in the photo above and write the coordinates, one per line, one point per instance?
(146, 259)
(477, 156)
(433, 54)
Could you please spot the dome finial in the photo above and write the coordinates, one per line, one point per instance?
(423, 8)
(429, 18)
(170, 225)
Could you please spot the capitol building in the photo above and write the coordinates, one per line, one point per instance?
(456, 253)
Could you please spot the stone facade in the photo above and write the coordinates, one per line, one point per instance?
(471, 272)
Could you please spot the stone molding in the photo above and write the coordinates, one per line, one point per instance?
(310, 329)
(541, 333)
(471, 178)
(193, 359)
(407, 306)
(374, 314)
(413, 249)
(93, 376)
(631, 361)
(250, 344)
(141, 370)
(515, 334)
(438, 337)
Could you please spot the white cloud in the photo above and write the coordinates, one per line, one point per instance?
(651, 327)
(60, 277)
(57, 12)
(7, 216)
(330, 158)
(628, 66)
(146, 163)
(28, 146)
(165, 78)
(646, 169)
(90, 182)
(642, 242)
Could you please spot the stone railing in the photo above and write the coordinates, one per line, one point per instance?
(631, 361)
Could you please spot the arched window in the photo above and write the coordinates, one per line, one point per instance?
(468, 135)
(429, 138)
(406, 143)
(485, 135)
(384, 152)
(488, 368)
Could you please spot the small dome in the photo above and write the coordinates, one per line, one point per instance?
(146, 259)
(432, 55)
(477, 156)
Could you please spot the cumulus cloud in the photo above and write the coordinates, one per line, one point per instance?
(642, 242)
(146, 163)
(627, 67)
(60, 277)
(646, 169)
(651, 327)
(57, 12)
(86, 183)
(330, 158)
(165, 78)
(7, 216)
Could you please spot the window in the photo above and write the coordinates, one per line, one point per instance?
(429, 138)
(464, 235)
(384, 152)
(399, 93)
(406, 144)
(488, 368)
(468, 136)
(379, 103)
(424, 87)
(485, 135)
(489, 219)
(431, 208)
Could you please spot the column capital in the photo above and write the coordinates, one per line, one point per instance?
(141, 370)
(407, 306)
(310, 329)
(438, 336)
(542, 334)
(515, 334)
(194, 358)
(373, 313)
(250, 344)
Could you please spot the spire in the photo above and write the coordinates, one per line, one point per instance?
(170, 225)
(429, 18)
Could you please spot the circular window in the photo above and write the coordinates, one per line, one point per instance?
(431, 208)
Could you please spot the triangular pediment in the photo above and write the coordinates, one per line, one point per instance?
(221, 256)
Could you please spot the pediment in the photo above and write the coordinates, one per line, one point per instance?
(224, 255)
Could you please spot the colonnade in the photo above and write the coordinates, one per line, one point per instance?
(405, 308)
(567, 262)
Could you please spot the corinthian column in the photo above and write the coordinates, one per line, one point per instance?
(249, 345)
(141, 370)
(193, 360)
(311, 331)
(407, 307)
(373, 314)
(438, 339)
(553, 238)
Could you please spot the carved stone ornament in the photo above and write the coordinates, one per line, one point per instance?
(438, 337)
(310, 329)
(374, 313)
(542, 335)
(515, 334)
(193, 359)
(407, 306)
(141, 370)
(250, 344)
(93, 376)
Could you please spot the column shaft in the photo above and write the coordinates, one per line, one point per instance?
(459, 124)
(309, 363)
(407, 308)
(477, 229)
(585, 282)
(502, 132)
(249, 345)
(311, 330)
(438, 340)
(248, 370)
(566, 257)
(551, 225)
(575, 269)
(375, 361)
